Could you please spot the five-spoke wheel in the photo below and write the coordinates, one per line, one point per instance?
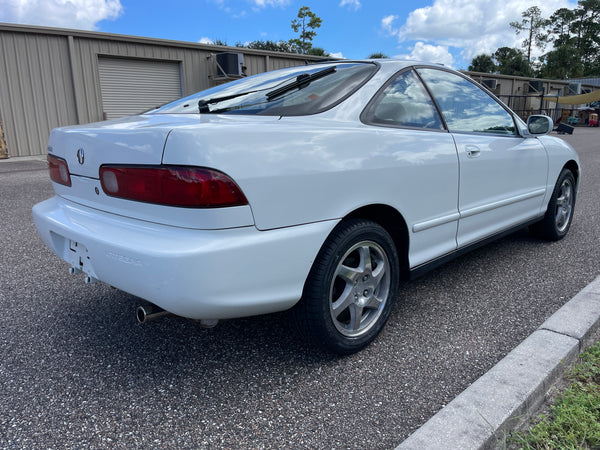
(349, 292)
(360, 288)
(564, 205)
(556, 222)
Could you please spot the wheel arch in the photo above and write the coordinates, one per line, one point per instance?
(394, 223)
(574, 168)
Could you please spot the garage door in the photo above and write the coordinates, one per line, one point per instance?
(130, 86)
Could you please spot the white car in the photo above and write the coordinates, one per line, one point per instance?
(317, 188)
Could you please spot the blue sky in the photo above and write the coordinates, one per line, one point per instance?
(451, 32)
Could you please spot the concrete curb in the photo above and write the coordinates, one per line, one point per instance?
(17, 159)
(481, 416)
(23, 163)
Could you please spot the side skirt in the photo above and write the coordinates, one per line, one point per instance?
(422, 269)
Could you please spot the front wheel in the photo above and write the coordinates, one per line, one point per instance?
(556, 222)
(350, 289)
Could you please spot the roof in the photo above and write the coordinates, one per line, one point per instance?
(592, 81)
(34, 29)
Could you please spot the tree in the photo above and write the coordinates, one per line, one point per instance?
(510, 61)
(559, 26)
(587, 27)
(281, 46)
(575, 35)
(317, 51)
(482, 63)
(533, 24)
(377, 55)
(561, 63)
(305, 24)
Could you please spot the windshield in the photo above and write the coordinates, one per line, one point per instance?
(295, 91)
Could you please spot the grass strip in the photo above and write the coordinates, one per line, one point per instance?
(574, 418)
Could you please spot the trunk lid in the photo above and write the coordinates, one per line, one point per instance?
(130, 140)
(135, 140)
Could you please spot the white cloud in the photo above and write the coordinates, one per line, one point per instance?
(337, 55)
(475, 26)
(81, 14)
(387, 22)
(265, 3)
(429, 53)
(206, 40)
(237, 11)
(351, 4)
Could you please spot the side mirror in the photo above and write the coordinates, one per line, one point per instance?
(539, 125)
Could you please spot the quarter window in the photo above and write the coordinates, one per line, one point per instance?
(466, 107)
(404, 103)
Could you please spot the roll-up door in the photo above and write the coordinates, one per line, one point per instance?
(130, 86)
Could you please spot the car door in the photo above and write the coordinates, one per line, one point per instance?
(425, 187)
(502, 174)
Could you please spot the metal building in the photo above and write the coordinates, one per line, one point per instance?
(51, 77)
(527, 96)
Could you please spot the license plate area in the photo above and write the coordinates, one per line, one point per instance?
(78, 256)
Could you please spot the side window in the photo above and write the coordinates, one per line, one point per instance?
(404, 103)
(465, 106)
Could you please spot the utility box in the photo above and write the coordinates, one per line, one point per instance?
(230, 64)
(490, 84)
(536, 86)
(574, 88)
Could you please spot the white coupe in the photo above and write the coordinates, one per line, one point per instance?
(317, 188)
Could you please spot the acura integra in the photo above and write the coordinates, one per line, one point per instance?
(316, 188)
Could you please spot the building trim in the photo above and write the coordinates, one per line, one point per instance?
(33, 29)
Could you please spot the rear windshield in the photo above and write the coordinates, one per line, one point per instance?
(295, 91)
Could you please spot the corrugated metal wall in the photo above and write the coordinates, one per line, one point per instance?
(49, 77)
(36, 90)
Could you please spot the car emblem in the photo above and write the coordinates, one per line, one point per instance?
(80, 156)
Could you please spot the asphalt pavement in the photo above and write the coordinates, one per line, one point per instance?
(77, 371)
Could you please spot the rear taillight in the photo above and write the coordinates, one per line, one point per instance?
(59, 170)
(193, 187)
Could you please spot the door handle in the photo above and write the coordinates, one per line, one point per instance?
(472, 151)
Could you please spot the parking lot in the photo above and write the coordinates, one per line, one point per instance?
(78, 371)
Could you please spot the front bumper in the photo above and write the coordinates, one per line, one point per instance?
(199, 274)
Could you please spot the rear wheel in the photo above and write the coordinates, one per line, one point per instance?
(556, 222)
(349, 292)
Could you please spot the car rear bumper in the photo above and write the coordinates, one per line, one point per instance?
(200, 274)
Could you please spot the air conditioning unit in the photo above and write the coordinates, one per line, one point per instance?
(574, 88)
(230, 64)
(490, 84)
(536, 86)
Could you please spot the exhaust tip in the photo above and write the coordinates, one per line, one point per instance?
(141, 314)
(150, 312)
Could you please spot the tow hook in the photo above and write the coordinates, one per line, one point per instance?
(208, 323)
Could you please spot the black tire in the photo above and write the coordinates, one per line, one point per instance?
(559, 215)
(350, 289)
